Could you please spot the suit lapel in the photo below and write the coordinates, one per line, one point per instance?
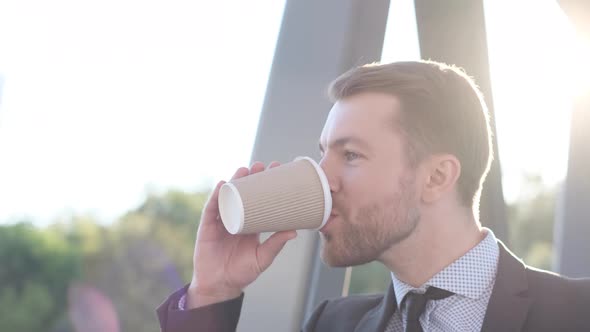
(376, 318)
(509, 303)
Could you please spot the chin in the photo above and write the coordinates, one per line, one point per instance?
(332, 261)
(332, 256)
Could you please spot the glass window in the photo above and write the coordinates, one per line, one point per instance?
(116, 118)
(536, 69)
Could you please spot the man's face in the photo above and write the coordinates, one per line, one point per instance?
(375, 204)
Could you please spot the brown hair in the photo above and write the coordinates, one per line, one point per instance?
(442, 111)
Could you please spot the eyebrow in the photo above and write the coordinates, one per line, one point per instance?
(340, 142)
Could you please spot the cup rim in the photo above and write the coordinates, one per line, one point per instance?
(325, 188)
(230, 223)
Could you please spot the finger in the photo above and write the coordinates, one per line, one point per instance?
(241, 172)
(273, 164)
(269, 249)
(211, 209)
(256, 167)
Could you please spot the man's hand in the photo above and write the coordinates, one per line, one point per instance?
(224, 264)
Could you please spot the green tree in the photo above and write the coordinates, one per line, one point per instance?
(531, 221)
(36, 269)
(133, 264)
(170, 221)
(139, 259)
(369, 278)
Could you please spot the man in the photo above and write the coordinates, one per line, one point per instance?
(406, 148)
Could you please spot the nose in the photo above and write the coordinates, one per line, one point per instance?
(330, 175)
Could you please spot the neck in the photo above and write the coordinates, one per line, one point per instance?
(434, 244)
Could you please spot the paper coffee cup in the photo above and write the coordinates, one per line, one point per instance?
(295, 195)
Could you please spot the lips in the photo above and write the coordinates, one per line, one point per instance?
(330, 220)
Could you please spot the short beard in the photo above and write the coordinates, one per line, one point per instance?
(378, 227)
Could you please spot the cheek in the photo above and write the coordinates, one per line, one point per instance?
(356, 184)
(359, 191)
(369, 180)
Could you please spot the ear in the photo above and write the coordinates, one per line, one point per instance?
(442, 174)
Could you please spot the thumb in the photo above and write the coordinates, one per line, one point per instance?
(269, 249)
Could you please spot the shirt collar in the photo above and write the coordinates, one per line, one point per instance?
(469, 276)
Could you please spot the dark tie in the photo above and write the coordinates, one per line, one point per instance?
(416, 303)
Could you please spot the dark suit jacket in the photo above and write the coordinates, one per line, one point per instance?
(523, 299)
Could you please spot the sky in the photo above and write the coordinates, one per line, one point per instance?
(105, 102)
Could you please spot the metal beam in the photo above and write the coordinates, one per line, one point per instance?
(1, 86)
(573, 217)
(453, 31)
(572, 225)
(318, 41)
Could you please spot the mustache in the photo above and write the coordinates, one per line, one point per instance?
(338, 209)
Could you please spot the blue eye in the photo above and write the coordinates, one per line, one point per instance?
(350, 156)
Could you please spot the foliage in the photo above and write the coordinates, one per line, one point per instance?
(530, 223)
(35, 273)
(369, 278)
(133, 264)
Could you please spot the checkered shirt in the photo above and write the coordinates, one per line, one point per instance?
(471, 278)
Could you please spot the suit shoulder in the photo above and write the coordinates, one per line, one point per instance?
(353, 304)
(558, 298)
(356, 299)
(342, 313)
(547, 281)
